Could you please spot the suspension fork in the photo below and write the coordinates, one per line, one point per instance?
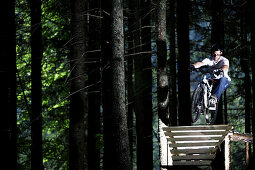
(205, 96)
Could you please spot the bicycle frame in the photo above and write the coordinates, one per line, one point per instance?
(207, 89)
(200, 99)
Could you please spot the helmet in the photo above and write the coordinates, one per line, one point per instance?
(216, 47)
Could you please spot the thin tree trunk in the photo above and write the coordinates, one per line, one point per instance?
(143, 87)
(116, 143)
(247, 81)
(106, 80)
(217, 37)
(162, 78)
(225, 107)
(94, 95)
(134, 6)
(183, 62)
(172, 64)
(36, 55)
(222, 39)
(251, 21)
(245, 66)
(78, 98)
(8, 123)
(130, 70)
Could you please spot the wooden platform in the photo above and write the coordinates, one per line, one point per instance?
(191, 145)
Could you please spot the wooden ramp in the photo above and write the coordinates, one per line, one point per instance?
(192, 145)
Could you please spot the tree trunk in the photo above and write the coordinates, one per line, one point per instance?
(183, 62)
(217, 36)
(36, 55)
(245, 67)
(143, 89)
(78, 98)
(132, 19)
(162, 78)
(94, 95)
(251, 5)
(116, 144)
(8, 124)
(134, 6)
(106, 80)
(172, 64)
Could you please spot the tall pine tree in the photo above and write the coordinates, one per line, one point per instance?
(183, 62)
(36, 68)
(78, 97)
(8, 123)
(172, 64)
(94, 95)
(162, 77)
(116, 143)
(143, 89)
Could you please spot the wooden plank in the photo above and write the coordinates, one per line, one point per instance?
(200, 138)
(194, 157)
(193, 151)
(192, 162)
(193, 144)
(195, 133)
(207, 127)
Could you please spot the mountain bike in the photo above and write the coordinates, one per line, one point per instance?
(200, 99)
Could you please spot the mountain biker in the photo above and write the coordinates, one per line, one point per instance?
(219, 66)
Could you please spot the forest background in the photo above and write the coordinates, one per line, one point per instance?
(83, 82)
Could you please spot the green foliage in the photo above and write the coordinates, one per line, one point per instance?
(55, 71)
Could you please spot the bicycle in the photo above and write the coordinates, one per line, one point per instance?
(201, 96)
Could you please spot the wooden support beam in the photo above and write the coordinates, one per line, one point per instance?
(200, 138)
(194, 133)
(209, 144)
(165, 154)
(194, 157)
(207, 127)
(227, 152)
(247, 151)
(240, 137)
(199, 163)
(194, 151)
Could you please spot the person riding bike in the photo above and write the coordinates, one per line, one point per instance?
(219, 66)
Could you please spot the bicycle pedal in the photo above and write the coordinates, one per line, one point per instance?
(212, 108)
(206, 117)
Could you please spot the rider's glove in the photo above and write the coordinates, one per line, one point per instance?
(192, 67)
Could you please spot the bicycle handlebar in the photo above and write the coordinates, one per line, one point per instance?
(203, 69)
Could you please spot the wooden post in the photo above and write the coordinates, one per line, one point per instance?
(247, 150)
(163, 148)
(227, 153)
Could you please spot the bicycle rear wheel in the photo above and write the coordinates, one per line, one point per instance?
(197, 105)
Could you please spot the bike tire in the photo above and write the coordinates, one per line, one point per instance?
(197, 105)
(211, 116)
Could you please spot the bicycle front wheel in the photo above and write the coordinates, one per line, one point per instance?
(211, 115)
(197, 105)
